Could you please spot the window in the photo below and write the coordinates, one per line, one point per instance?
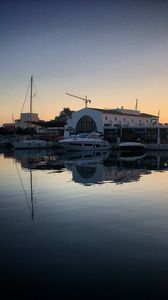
(86, 124)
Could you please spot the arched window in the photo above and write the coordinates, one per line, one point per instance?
(86, 124)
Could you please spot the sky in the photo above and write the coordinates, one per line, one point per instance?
(112, 51)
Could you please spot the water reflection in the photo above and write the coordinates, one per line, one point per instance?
(30, 199)
(90, 168)
(103, 238)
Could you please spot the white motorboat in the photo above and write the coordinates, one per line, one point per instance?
(30, 144)
(132, 146)
(87, 141)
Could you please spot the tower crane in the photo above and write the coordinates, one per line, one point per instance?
(84, 99)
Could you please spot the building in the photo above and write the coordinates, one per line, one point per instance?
(118, 125)
(53, 129)
(25, 119)
(107, 120)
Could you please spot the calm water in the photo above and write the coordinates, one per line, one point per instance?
(84, 225)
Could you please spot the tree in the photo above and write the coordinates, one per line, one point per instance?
(64, 114)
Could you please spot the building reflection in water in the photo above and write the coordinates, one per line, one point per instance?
(89, 168)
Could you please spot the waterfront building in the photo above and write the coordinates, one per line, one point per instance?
(25, 119)
(102, 120)
(94, 119)
(52, 129)
(120, 123)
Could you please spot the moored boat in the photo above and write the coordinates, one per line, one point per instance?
(131, 147)
(5, 143)
(87, 141)
(30, 144)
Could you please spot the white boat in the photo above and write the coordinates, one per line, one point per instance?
(31, 143)
(87, 141)
(131, 146)
(4, 143)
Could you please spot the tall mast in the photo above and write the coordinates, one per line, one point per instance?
(31, 97)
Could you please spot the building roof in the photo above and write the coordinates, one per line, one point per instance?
(119, 112)
(147, 115)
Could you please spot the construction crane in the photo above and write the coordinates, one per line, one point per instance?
(84, 99)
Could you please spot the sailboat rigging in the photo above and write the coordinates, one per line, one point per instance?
(30, 143)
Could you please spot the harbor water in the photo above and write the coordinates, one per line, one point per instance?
(83, 225)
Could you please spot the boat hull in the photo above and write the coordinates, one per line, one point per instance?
(84, 146)
(32, 144)
(132, 147)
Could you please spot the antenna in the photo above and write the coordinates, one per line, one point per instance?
(84, 99)
(136, 105)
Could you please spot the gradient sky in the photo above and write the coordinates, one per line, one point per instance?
(111, 51)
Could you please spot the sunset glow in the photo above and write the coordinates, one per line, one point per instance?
(111, 51)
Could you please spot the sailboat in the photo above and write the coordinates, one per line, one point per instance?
(31, 143)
